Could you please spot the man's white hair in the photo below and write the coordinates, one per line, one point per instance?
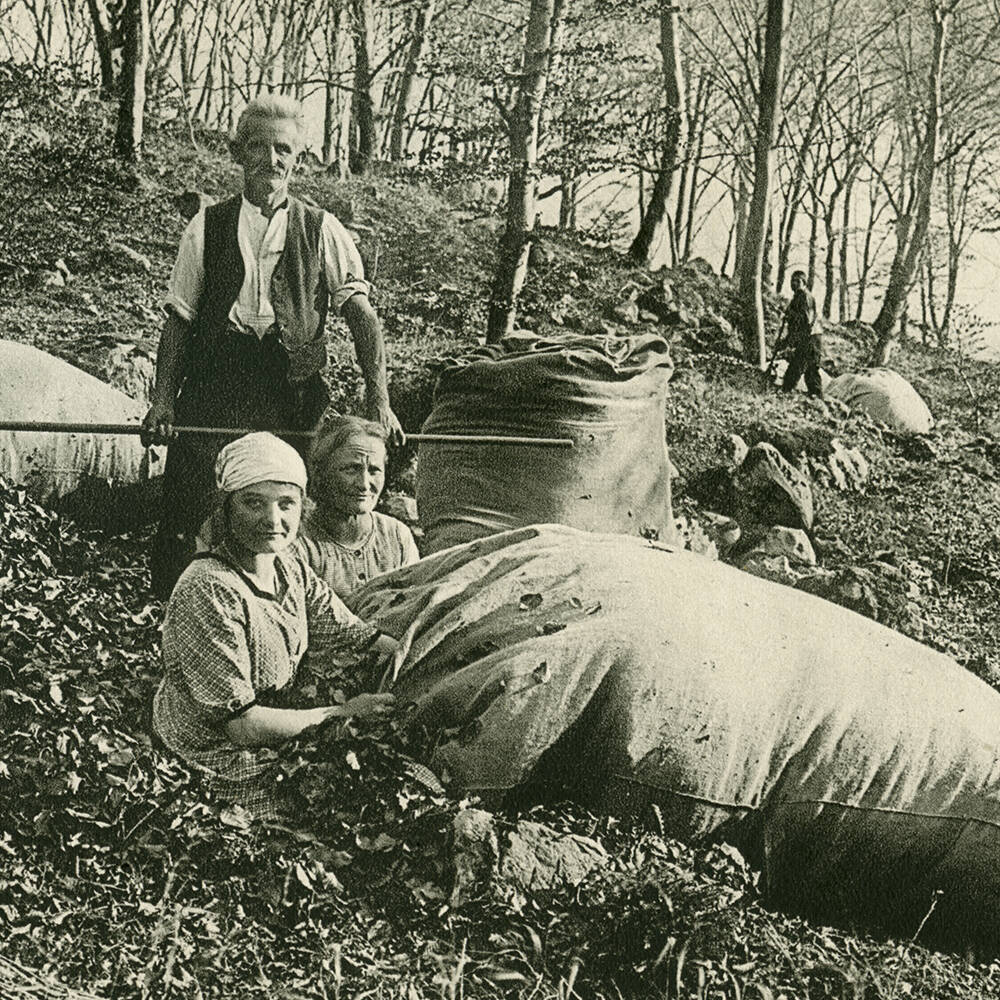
(274, 107)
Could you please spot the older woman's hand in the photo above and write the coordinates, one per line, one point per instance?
(370, 706)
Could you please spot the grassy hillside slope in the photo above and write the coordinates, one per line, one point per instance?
(115, 877)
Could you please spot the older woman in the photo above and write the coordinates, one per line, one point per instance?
(238, 624)
(344, 539)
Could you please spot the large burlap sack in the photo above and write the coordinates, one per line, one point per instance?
(858, 768)
(605, 393)
(39, 387)
(884, 395)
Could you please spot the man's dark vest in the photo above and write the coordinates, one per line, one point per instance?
(298, 292)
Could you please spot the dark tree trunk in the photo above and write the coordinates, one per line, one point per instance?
(741, 206)
(424, 98)
(924, 317)
(864, 271)
(654, 219)
(752, 257)
(915, 219)
(407, 81)
(105, 50)
(363, 107)
(766, 262)
(132, 100)
(931, 292)
(813, 243)
(954, 264)
(843, 305)
(730, 240)
(829, 280)
(328, 152)
(687, 171)
(186, 87)
(790, 209)
(567, 201)
(701, 111)
(331, 93)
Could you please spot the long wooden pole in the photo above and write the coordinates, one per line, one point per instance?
(59, 427)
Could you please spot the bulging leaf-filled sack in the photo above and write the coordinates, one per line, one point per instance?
(858, 768)
(607, 394)
(884, 395)
(35, 386)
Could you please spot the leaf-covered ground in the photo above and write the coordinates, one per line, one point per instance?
(117, 876)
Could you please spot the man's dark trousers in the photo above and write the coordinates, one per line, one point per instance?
(805, 360)
(257, 395)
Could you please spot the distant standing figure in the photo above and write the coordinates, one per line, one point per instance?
(807, 347)
(344, 539)
(244, 343)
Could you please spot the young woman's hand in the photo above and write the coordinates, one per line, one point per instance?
(384, 647)
(370, 706)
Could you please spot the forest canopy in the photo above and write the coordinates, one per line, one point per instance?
(854, 139)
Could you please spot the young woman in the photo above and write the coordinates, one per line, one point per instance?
(239, 622)
(344, 539)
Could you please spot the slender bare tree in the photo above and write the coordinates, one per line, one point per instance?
(656, 216)
(752, 255)
(419, 36)
(542, 31)
(912, 223)
(103, 43)
(363, 137)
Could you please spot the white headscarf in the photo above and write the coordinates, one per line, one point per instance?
(258, 458)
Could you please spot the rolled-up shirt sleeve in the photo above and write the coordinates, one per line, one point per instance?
(345, 273)
(187, 280)
(331, 626)
(206, 644)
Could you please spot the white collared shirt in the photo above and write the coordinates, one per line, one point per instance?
(261, 241)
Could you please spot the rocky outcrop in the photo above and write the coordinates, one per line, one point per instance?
(716, 334)
(527, 857)
(784, 555)
(769, 490)
(689, 533)
(789, 543)
(848, 468)
(128, 258)
(853, 587)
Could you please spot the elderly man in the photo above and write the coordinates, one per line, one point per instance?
(243, 345)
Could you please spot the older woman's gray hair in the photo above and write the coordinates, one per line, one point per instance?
(335, 433)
